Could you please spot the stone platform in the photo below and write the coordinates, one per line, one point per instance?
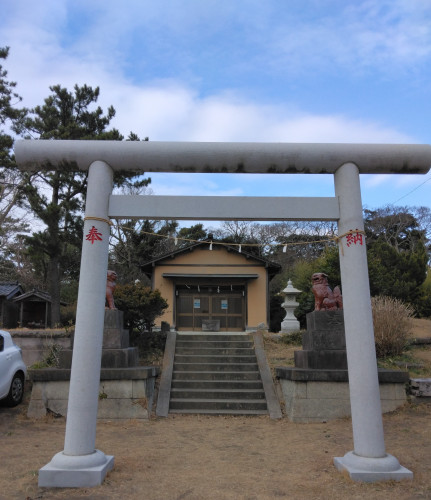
(317, 388)
(322, 395)
(116, 352)
(123, 392)
(126, 390)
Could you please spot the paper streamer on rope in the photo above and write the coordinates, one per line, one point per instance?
(284, 246)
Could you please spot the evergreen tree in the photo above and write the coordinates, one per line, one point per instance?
(11, 179)
(397, 247)
(136, 242)
(397, 274)
(140, 304)
(56, 197)
(403, 228)
(193, 233)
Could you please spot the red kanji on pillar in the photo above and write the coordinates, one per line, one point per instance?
(93, 235)
(354, 237)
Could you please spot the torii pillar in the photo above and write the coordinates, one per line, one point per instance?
(369, 461)
(80, 464)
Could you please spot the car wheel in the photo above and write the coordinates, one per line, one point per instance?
(16, 391)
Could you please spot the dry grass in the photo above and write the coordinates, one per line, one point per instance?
(392, 325)
(280, 353)
(421, 328)
(220, 458)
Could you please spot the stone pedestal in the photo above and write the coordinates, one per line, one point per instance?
(114, 335)
(317, 388)
(324, 342)
(125, 391)
(116, 352)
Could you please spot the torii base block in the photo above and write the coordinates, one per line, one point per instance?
(370, 470)
(66, 471)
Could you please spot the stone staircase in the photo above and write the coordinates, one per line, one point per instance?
(215, 374)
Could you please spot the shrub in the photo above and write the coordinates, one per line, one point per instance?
(392, 320)
(293, 338)
(140, 304)
(68, 315)
(151, 345)
(50, 358)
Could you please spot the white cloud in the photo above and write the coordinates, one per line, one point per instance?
(387, 36)
(172, 184)
(174, 109)
(172, 112)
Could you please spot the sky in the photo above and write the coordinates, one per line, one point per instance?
(244, 70)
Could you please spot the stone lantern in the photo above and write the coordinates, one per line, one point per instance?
(290, 323)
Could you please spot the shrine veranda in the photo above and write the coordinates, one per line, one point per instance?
(80, 464)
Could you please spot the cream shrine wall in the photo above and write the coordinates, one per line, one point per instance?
(220, 272)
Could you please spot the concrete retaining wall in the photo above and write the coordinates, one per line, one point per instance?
(36, 344)
(317, 401)
(123, 394)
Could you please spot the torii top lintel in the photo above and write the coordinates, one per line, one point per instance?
(224, 157)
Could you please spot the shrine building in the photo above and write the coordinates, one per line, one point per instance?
(211, 286)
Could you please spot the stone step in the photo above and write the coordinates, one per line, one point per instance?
(216, 375)
(211, 367)
(420, 341)
(217, 404)
(216, 338)
(212, 344)
(219, 412)
(218, 351)
(217, 358)
(220, 393)
(216, 384)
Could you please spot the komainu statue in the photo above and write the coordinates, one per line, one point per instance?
(324, 298)
(110, 287)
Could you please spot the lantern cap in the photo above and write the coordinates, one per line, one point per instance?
(290, 289)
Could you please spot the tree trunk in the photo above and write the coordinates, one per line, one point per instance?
(54, 289)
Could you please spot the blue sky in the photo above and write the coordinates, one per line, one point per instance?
(243, 70)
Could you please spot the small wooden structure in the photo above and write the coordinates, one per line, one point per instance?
(8, 308)
(34, 309)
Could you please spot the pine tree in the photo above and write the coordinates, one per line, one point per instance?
(11, 180)
(57, 197)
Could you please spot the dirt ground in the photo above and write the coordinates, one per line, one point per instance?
(200, 457)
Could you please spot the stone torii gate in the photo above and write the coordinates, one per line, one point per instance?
(80, 464)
